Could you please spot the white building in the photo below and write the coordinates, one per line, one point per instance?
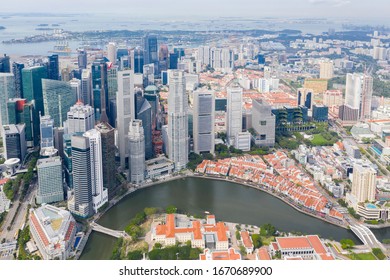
(75, 84)
(80, 118)
(111, 52)
(53, 230)
(363, 182)
(99, 193)
(326, 70)
(233, 113)
(177, 120)
(243, 141)
(358, 94)
(136, 144)
(125, 107)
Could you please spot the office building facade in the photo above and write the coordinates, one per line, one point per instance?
(136, 144)
(50, 182)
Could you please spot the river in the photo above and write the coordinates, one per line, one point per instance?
(230, 202)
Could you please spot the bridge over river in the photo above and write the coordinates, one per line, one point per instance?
(108, 231)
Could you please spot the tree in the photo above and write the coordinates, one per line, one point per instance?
(238, 235)
(256, 239)
(157, 246)
(135, 255)
(171, 209)
(267, 230)
(378, 253)
(347, 243)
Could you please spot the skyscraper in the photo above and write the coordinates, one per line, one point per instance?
(99, 89)
(5, 66)
(125, 101)
(173, 60)
(53, 67)
(177, 120)
(151, 51)
(204, 117)
(86, 87)
(14, 141)
(305, 97)
(17, 71)
(7, 91)
(163, 58)
(32, 86)
(58, 97)
(363, 182)
(108, 154)
(263, 122)
(136, 152)
(47, 132)
(234, 113)
(75, 84)
(80, 203)
(50, 182)
(144, 113)
(82, 58)
(99, 193)
(358, 97)
(80, 118)
(137, 60)
(111, 52)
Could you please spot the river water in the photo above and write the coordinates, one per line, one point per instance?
(230, 202)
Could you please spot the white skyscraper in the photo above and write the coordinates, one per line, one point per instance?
(86, 86)
(204, 118)
(177, 120)
(363, 182)
(358, 94)
(136, 152)
(99, 194)
(125, 102)
(111, 52)
(233, 113)
(81, 118)
(76, 86)
(326, 70)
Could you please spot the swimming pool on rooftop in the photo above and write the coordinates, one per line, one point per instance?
(371, 206)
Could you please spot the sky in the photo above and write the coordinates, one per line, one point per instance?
(208, 8)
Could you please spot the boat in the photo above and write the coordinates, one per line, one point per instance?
(62, 48)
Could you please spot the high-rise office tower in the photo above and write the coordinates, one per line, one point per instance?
(111, 52)
(108, 154)
(99, 193)
(75, 84)
(163, 58)
(14, 141)
(5, 66)
(326, 70)
(50, 182)
(59, 140)
(148, 74)
(112, 82)
(80, 203)
(100, 89)
(173, 60)
(125, 101)
(151, 94)
(86, 87)
(17, 71)
(58, 97)
(82, 58)
(358, 97)
(263, 122)
(136, 152)
(204, 117)
(122, 51)
(47, 132)
(363, 182)
(80, 118)
(177, 120)
(30, 118)
(151, 51)
(234, 113)
(32, 86)
(144, 113)
(305, 97)
(137, 60)
(221, 59)
(7, 91)
(53, 67)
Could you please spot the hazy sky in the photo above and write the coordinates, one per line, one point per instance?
(208, 8)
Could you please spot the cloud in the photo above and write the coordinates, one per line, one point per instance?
(333, 3)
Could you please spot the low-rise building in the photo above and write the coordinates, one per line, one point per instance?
(53, 230)
(228, 255)
(158, 167)
(179, 228)
(247, 242)
(307, 247)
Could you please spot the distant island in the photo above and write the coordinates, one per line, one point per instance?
(2, 27)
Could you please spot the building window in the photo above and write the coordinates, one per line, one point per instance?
(263, 122)
(263, 136)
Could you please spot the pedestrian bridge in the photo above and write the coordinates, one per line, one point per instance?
(366, 236)
(108, 231)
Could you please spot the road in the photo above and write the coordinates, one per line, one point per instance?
(20, 218)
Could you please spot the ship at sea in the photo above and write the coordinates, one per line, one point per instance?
(62, 48)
